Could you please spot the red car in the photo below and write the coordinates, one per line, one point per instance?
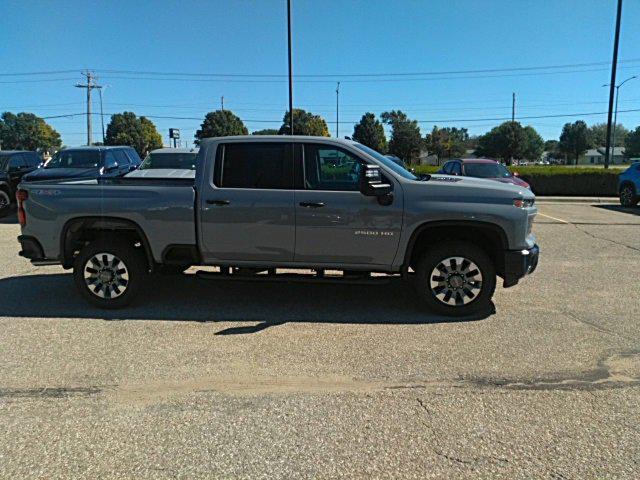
(482, 168)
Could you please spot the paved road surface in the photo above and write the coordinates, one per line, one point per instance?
(307, 381)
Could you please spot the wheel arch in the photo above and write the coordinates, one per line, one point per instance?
(80, 230)
(629, 183)
(488, 236)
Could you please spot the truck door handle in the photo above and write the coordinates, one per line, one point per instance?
(312, 204)
(219, 203)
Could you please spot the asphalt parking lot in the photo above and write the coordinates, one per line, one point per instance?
(249, 380)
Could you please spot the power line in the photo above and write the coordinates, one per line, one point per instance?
(442, 120)
(379, 74)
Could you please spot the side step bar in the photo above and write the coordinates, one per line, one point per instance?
(295, 278)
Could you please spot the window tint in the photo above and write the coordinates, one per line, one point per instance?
(133, 156)
(32, 159)
(330, 168)
(121, 158)
(255, 165)
(16, 162)
(455, 168)
(74, 159)
(447, 168)
(110, 159)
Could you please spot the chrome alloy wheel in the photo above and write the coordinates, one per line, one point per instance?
(106, 275)
(456, 281)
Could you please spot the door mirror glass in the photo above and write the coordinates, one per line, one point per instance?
(371, 182)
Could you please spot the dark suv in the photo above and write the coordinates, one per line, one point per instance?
(87, 162)
(14, 164)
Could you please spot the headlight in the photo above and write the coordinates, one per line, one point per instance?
(523, 202)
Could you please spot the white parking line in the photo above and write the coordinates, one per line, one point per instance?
(553, 218)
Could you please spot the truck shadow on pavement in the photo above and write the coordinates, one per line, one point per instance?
(620, 209)
(189, 298)
(9, 219)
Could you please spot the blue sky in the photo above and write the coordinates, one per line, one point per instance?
(331, 37)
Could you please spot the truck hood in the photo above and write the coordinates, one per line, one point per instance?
(60, 174)
(484, 190)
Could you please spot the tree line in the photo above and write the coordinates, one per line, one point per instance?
(506, 142)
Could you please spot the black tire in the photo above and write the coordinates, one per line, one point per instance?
(476, 289)
(5, 203)
(120, 292)
(628, 195)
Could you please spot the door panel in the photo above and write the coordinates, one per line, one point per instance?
(247, 213)
(343, 226)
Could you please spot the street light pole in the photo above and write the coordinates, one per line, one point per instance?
(290, 67)
(615, 114)
(338, 110)
(614, 67)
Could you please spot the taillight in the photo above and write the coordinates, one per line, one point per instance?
(21, 197)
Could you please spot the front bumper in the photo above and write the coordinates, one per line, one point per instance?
(519, 263)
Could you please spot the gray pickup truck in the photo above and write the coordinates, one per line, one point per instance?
(259, 204)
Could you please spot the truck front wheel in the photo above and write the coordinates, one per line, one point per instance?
(455, 279)
(108, 273)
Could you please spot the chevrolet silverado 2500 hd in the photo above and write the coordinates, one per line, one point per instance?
(258, 204)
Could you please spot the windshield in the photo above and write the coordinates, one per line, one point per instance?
(4, 159)
(182, 160)
(74, 159)
(387, 162)
(486, 170)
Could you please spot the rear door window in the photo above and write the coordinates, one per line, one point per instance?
(254, 165)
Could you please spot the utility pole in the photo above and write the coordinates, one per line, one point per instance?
(222, 103)
(513, 107)
(290, 67)
(90, 85)
(612, 85)
(101, 113)
(338, 110)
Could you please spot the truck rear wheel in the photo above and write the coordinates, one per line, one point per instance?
(109, 273)
(455, 279)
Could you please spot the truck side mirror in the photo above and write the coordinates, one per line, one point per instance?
(370, 182)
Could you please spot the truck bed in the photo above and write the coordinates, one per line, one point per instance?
(162, 208)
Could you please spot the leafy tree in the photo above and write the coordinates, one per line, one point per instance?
(575, 139)
(370, 132)
(598, 134)
(533, 144)
(127, 129)
(632, 144)
(26, 131)
(552, 146)
(405, 135)
(221, 123)
(304, 123)
(447, 142)
(265, 131)
(506, 142)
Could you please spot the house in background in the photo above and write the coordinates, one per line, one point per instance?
(595, 156)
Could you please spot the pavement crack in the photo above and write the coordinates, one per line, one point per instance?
(595, 326)
(592, 235)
